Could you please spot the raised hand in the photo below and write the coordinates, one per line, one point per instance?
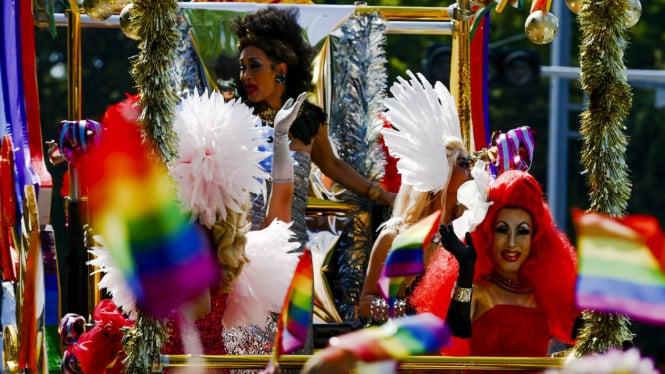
(287, 114)
(282, 166)
(464, 253)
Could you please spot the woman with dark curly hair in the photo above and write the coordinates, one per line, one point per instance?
(275, 65)
(516, 292)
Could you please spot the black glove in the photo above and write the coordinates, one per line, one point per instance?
(459, 312)
(464, 254)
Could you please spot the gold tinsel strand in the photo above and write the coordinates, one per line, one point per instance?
(142, 344)
(152, 70)
(603, 79)
(155, 21)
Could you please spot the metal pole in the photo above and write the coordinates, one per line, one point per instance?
(557, 157)
(76, 268)
(460, 75)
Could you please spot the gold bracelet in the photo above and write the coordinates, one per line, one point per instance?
(374, 193)
(461, 294)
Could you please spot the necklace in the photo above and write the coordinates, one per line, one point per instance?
(507, 284)
(267, 114)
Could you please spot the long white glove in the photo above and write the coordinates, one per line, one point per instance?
(282, 166)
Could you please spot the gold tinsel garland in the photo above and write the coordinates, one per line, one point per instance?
(142, 344)
(603, 79)
(156, 24)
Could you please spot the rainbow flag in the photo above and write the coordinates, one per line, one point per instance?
(406, 256)
(165, 259)
(398, 338)
(621, 265)
(296, 314)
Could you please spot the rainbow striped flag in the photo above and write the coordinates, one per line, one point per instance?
(406, 256)
(165, 258)
(296, 314)
(398, 338)
(621, 265)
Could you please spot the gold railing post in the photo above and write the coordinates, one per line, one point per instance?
(460, 75)
(81, 291)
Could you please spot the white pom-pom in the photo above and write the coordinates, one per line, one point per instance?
(473, 194)
(218, 156)
(262, 286)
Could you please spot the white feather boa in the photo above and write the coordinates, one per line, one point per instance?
(422, 116)
(262, 286)
(218, 156)
(112, 280)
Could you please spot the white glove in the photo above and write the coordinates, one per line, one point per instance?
(282, 166)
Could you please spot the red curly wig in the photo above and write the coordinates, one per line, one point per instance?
(551, 267)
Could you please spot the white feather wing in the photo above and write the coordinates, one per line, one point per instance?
(112, 280)
(422, 116)
(262, 286)
(218, 157)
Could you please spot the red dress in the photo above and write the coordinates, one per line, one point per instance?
(510, 331)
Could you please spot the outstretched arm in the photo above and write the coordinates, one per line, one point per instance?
(370, 291)
(342, 173)
(281, 195)
(459, 312)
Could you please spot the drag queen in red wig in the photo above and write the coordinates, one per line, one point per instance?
(510, 287)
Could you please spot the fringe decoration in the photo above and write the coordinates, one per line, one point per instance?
(603, 79)
(153, 70)
(361, 79)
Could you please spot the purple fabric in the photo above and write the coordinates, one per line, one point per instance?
(14, 98)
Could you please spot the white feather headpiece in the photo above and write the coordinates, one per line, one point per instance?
(422, 116)
(218, 156)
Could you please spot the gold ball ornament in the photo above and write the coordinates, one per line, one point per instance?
(119, 5)
(126, 26)
(633, 13)
(97, 9)
(574, 5)
(541, 28)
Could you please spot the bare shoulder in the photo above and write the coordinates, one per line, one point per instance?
(385, 239)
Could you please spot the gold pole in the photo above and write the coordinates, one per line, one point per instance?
(82, 293)
(74, 75)
(460, 76)
(406, 13)
(416, 363)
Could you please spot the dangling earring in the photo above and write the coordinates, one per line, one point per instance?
(280, 78)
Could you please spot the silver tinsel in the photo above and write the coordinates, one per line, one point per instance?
(187, 64)
(360, 79)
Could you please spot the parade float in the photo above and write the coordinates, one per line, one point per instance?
(349, 70)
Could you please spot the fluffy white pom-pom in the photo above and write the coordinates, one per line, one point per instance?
(473, 194)
(262, 286)
(218, 155)
(112, 280)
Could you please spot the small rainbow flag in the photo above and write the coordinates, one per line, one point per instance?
(165, 259)
(398, 338)
(621, 265)
(296, 314)
(406, 256)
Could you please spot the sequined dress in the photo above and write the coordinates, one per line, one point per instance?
(301, 169)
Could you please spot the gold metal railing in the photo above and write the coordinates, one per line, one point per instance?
(439, 363)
